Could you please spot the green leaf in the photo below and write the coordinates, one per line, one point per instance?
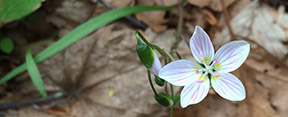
(145, 53)
(6, 45)
(35, 74)
(16, 9)
(81, 31)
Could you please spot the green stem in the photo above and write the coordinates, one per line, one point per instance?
(178, 55)
(143, 38)
(150, 81)
(169, 55)
(172, 91)
(172, 95)
(171, 111)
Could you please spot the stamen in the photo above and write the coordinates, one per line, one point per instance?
(200, 81)
(203, 77)
(216, 61)
(216, 75)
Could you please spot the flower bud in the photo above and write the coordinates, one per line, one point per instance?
(145, 54)
(159, 81)
(163, 99)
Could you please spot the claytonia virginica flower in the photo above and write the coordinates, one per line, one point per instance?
(209, 70)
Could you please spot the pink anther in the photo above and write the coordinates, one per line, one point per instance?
(215, 59)
(216, 75)
(200, 81)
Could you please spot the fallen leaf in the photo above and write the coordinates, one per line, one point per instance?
(201, 4)
(154, 19)
(257, 22)
(210, 18)
(120, 4)
(213, 4)
(217, 6)
(59, 111)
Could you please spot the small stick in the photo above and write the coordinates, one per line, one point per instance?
(227, 18)
(32, 101)
(179, 27)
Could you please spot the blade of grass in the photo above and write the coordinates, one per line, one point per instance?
(81, 31)
(35, 74)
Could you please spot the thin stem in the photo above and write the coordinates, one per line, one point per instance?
(172, 95)
(172, 91)
(166, 87)
(169, 55)
(159, 50)
(143, 38)
(179, 26)
(227, 18)
(150, 81)
(178, 55)
(171, 111)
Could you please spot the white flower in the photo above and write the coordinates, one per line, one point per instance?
(156, 67)
(209, 70)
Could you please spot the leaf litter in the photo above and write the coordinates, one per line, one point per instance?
(113, 64)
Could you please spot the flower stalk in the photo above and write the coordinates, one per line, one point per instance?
(150, 81)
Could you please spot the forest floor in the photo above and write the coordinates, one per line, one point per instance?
(102, 76)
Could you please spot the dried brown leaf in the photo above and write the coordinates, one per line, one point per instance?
(154, 19)
(200, 3)
(257, 22)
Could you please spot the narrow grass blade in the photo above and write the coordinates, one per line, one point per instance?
(35, 74)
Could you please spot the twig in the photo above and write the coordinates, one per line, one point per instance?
(227, 18)
(179, 27)
(32, 101)
(130, 18)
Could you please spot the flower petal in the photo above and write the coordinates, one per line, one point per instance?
(179, 72)
(229, 87)
(156, 67)
(201, 46)
(232, 55)
(194, 92)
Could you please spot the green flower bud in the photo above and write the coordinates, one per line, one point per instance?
(159, 81)
(163, 99)
(145, 53)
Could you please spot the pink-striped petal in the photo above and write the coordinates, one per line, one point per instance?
(229, 87)
(156, 67)
(232, 55)
(194, 92)
(179, 72)
(201, 46)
